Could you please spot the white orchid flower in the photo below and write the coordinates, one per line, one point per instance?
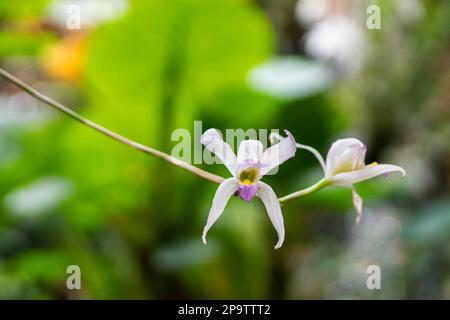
(345, 166)
(247, 168)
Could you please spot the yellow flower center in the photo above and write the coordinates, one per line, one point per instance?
(249, 176)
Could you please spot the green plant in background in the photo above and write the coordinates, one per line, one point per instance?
(70, 196)
(154, 70)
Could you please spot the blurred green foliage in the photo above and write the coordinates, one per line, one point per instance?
(133, 223)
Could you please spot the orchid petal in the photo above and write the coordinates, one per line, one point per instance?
(213, 142)
(348, 152)
(273, 208)
(250, 151)
(358, 204)
(368, 172)
(278, 153)
(275, 137)
(226, 189)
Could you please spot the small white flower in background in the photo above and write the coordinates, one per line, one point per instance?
(308, 12)
(410, 12)
(345, 166)
(247, 168)
(338, 40)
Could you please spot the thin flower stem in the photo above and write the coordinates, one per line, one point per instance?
(22, 85)
(135, 145)
(315, 187)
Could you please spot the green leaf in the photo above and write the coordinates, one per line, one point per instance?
(171, 55)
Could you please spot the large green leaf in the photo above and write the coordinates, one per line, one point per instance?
(173, 54)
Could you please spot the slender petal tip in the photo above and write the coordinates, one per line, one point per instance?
(289, 134)
(273, 208)
(208, 136)
(292, 139)
(204, 238)
(279, 244)
(224, 192)
(212, 141)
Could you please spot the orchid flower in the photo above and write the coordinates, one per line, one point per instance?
(247, 169)
(344, 166)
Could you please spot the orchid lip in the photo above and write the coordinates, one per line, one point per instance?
(247, 192)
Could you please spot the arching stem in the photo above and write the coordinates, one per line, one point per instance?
(133, 144)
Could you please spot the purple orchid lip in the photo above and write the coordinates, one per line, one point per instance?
(247, 192)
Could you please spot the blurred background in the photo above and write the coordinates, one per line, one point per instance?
(69, 196)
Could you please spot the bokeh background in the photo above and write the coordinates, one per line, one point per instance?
(144, 68)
